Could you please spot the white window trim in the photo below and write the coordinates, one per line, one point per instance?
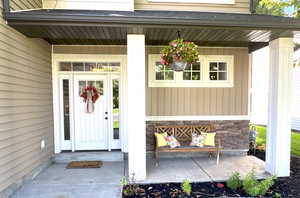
(195, 1)
(204, 82)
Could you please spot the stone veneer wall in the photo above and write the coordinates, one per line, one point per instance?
(234, 134)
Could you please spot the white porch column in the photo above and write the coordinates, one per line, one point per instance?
(136, 115)
(278, 148)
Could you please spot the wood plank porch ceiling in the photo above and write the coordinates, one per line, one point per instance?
(70, 27)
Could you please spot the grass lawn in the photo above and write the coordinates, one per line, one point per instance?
(261, 140)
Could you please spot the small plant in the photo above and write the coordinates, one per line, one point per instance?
(234, 182)
(130, 187)
(186, 187)
(254, 187)
(277, 195)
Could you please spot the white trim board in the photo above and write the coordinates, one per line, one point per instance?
(188, 118)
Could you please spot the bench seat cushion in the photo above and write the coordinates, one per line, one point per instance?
(187, 149)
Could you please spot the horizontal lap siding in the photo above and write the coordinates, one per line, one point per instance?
(188, 101)
(240, 6)
(26, 115)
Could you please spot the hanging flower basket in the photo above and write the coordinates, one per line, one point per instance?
(179, 53)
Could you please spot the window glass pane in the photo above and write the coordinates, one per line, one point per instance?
(168, 67)
(159, 67)
(66, 109)
(116, 111)
(90, 66)
(115, 66)
(159, 76)
(65, 66)
(91, 83)
(222, 75)
(213, 75)
(222, 66)
(196, 76)
(196, 66)
(169, 75)
(186, 75)
(213, 66)
(188, 67)
(82, 85)
(78, 67)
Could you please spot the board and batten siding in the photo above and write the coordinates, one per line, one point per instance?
(208, 101)
(172, 101)
(240, 6)
(122, 5)
(26, 116)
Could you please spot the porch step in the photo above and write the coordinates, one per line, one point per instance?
(66, 157)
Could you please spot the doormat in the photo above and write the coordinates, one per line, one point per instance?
(85, 164)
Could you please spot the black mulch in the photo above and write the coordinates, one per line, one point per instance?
(287, 187)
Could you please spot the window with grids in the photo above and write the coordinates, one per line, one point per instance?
(163, 72)
(218, 71)
(210, 71)
(192, 72)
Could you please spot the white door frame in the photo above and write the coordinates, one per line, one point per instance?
(58, 76)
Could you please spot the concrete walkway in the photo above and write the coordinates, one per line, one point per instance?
(59, 182)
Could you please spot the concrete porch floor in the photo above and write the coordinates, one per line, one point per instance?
(59, 182)
(202, 169)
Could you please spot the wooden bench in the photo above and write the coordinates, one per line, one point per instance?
(184, 135)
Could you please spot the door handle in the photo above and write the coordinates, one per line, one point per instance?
(106, 118)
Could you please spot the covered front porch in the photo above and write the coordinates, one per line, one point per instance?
(154, 28)
(57, 181)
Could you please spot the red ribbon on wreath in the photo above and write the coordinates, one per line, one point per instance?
(90, 91)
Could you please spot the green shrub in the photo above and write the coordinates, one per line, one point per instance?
(254, 187)
(186, 187)
(234, 182)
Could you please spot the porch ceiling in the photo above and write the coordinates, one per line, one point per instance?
(111, 27)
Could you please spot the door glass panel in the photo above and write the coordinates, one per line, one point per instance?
(91, 83)
(116, 110)
(99, 87)
(82, 85)
(66, 109)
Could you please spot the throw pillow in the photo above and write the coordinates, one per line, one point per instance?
(160, 139)
(172, 141)
(197, 140)
(209, 139)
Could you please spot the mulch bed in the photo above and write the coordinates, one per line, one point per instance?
(287, 187)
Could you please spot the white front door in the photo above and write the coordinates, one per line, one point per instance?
(91, 129)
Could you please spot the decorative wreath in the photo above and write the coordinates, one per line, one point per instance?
(95, 94)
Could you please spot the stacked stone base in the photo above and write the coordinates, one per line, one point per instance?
(234, 134)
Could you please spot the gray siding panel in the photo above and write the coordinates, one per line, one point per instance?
(26, 115)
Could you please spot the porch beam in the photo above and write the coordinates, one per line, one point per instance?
(136, 103)
(278, 149)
